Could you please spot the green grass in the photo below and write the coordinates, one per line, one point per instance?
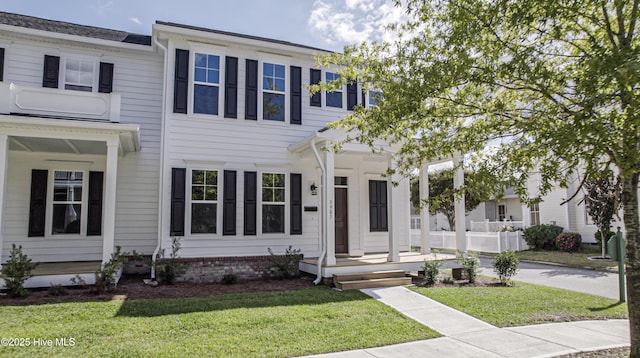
(276, 324)
(526, 304)
(577, 259)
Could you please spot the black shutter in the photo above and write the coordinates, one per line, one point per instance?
(178, 191)
(251, 91)
(105, 82)
(231, 88)
(377, 205)
(316, 98)
(250, 203)
(94, 212)
(229, 203)
(38, 202)
(51, 71)
(296, 95)
(352, 95)
(1, 64)
(364, 99)
(181, 82)
(296, 204)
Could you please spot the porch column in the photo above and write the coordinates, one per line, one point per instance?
(329, 165)
(392, 214)
(109, 217)
(4, 151)
(425, 218)
(458, 182)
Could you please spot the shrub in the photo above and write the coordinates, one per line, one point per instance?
(505, 265)
(448, 280)
(470, 265)
(57, 290)
(431, 270)
(569, 241)
(542, 237)
(105, 276)
(169, 266)
(16, 271)
(286, 266)
(598, 237)
(229, 278)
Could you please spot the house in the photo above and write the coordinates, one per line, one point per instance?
(109, 139)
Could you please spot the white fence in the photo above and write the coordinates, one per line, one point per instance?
(494, 226)
(476, 241)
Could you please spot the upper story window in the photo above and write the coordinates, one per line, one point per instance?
(334, 98)
(79, 75)
(374, 98)
(273, 92)
(67, 202)
(204, 201)
(206, 83)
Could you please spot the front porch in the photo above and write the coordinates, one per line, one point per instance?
(62, 273)
(408, 262)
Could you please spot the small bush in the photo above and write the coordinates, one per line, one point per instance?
(229, 279)
(470, 265)
(448, 280)
(57, 290)
(16, 271)
(569, 241)
(542, 237)
(105, 276)
(505, 265)
(431, 270)
(598, 237)
(286, 266)
(168, 269)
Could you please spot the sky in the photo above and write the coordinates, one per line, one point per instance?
(326, 24)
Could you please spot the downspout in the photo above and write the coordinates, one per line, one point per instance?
(162, 134)
(323, 225)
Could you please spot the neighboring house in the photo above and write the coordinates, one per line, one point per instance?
(115, 139)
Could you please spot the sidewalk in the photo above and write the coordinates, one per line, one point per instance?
(466, 336)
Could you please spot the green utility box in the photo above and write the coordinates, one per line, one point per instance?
(615, 245)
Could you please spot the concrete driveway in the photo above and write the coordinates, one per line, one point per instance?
(580, 280)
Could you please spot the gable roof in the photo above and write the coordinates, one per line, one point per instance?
(68, 28)
(234, 34)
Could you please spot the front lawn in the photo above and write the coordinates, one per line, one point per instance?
(288, 323)
(525, 304)
(576, 259)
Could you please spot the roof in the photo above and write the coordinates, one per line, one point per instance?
(67, 28)
(250, 37)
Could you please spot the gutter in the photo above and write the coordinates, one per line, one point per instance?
(161, 179)
(323, 224)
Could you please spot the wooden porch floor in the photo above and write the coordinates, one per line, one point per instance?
(380, 259)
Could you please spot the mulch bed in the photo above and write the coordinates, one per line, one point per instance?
(480, 282)
(134, 288)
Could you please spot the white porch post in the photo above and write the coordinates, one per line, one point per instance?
(392, 214)
(109, 217)
(458, 182)
(425, 218)
(4, 151)
(329, 164)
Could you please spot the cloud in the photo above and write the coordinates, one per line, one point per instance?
(135, 20)
(353, 21)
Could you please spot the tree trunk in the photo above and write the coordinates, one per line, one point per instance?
(632, 228)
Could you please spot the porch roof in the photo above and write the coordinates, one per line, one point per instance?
(329, 136)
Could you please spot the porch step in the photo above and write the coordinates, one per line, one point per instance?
(355, 281)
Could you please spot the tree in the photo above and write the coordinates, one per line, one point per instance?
(441, 195)
(522, 86)
(602, 200)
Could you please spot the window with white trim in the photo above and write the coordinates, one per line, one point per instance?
(502, 212)
(273, 202)
(204, 201)
(334, 98)
(534, 214)
(206, 83)
(67, 202)
(374, 98)
(273, 92)
(79, 74)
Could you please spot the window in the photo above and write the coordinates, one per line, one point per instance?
(534, 214)
(587, 218)
(502, 212)
(334, 99)
(79, 75)
(204, 201)
(415, 223)
(273, 203)
(206, 83)
(374, 98)
(67, 202)
(378, 205)
(273, 92)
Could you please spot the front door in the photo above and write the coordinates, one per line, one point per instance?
(342, 231)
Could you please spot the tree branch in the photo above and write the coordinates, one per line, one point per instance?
(607, 26)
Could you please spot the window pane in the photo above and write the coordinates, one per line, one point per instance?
(278, 180)
(213, 61)
(213, 76)
(197, 177)
(278, 195)
(211, 193)
(273, 218)
(279, 71)
(267, 194)
(267, 69)
(334, 99)
(200, 60)
(200, 75)
(66, 219)
(205, 99)
(212, 177)
(273, 107)
(203, 218)
(197, 192)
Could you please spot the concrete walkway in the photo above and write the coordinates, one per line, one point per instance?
(466, 336)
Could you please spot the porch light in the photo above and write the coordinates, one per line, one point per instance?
(314, 189)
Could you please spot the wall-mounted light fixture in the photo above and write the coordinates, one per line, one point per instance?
(314, 189)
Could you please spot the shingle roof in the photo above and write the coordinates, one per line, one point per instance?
(251, 37)
(61, 27)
